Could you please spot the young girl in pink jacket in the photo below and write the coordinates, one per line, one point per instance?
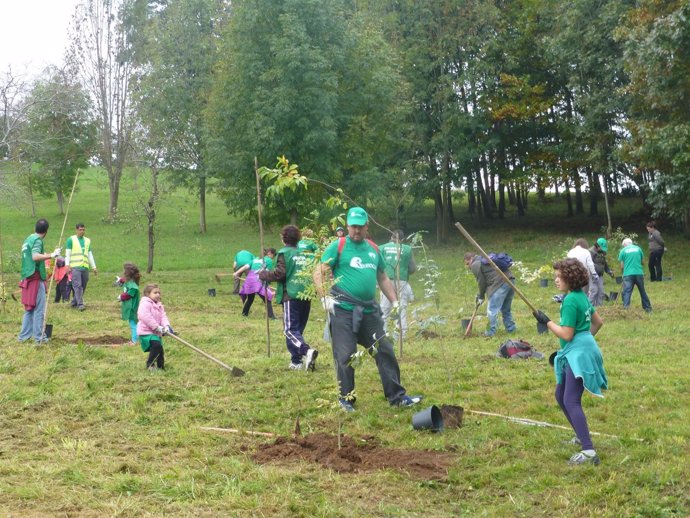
(153, 324)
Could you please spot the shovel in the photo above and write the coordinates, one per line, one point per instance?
(468, 330)
(234, 371)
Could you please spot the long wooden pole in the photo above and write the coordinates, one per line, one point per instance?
(493, 265)
(62, 232)
(235, 371)
(261, 239)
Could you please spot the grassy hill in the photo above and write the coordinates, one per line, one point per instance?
(85, 430)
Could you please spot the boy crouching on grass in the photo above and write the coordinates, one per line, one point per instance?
(153, 324)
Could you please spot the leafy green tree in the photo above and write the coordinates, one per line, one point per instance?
(176, 53)
(656, 37)
(60, 134)
(309, 79)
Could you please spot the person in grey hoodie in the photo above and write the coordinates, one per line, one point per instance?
(656, 252)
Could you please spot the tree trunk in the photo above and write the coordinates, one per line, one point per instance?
(438, 202)
(482, 197)
(293, 216)
(114, 186)
(594, 190)
(519, 201)
(568, 198)
(579, 203)
(471, 203)
(501, 199)
(202, 204)
(450, 214)
(151, 218)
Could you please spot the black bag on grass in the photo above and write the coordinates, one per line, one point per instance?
(518, 349)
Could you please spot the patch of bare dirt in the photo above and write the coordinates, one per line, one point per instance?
(355, 456)
(107, 340)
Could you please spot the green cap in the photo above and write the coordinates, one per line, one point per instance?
(357, 216)
(603, 244)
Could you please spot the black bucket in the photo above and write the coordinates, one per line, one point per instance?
(211, 292)
(619, 280)
(464, 324)
(613, 295)
(544, 283)
(428, 419)
(542, 328)
(49, 330)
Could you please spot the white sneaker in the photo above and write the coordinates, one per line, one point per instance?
(295, 366)
(583, 458)
(310, 359)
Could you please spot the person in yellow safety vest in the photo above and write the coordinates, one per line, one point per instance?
(78, 260)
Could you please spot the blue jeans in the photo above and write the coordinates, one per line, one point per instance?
(501, 300)
(32, 321)
(133, 330)
(635, 280)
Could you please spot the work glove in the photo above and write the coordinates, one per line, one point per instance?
(395, 310)
(56, 252)
(160, 330)
(478, 300)
(118, 299)
(119, 281)
(170, 330)
(328, 303)
(541, 317)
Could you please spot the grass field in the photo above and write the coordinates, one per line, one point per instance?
(87, 431)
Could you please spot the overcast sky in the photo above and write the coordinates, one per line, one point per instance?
(33, 33)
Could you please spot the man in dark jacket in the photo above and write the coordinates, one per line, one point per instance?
(492, 286)
(596, 289)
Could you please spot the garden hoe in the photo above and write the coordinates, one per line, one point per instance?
(234, 371)
(468, 331)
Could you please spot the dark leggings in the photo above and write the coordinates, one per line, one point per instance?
(249, 300)
(569, 398)
(655, 272)
(156, 354)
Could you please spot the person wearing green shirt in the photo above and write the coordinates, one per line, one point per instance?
(78, 260)
(291, 265)
(33, 283)
(631, 258)
(253, 285)
(354, 315)
(242, 258)
(399, 264)
(578, 365)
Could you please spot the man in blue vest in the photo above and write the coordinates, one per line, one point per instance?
(33, 283)
(78, 260)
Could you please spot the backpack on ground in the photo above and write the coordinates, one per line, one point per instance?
(502, 260)
(518, 349)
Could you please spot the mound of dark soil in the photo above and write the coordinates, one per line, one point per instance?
(355, 456)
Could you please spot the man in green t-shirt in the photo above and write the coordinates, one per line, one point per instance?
(631, 258)
(78, 260)
(399, 263)
(355, 316)
(33, 283)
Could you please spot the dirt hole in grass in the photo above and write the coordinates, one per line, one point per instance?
(99, 340)
(355, 455)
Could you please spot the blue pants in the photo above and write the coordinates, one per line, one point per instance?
(32, 321)
(133, 329)
(569, 398)
(635, 280)
(295, 318)
(501, 300)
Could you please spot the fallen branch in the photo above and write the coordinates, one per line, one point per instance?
(522, 420)
(235, 430)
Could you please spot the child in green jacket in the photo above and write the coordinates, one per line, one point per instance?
(129, 298)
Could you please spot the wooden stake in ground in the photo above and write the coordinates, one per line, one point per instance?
(493, 265)
(62, 231)
(236, 372)
(261, 239)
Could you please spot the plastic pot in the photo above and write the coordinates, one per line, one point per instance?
(613, 295)
(49, 330)
(544, 283)
(428, 419)
(211, 292)
(619, 280)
